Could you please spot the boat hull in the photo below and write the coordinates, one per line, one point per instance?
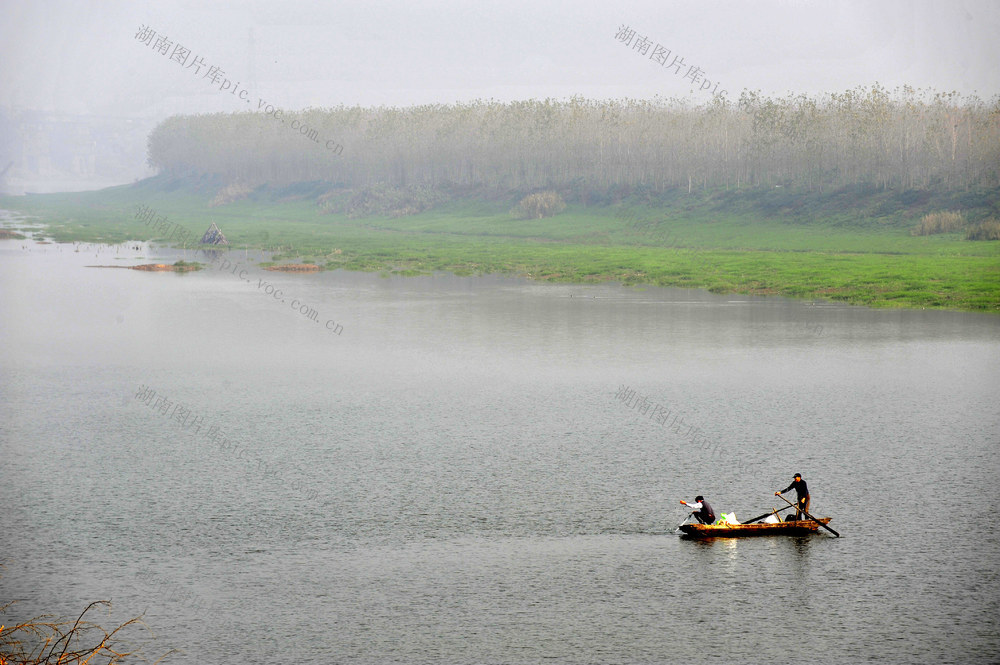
(793, 528)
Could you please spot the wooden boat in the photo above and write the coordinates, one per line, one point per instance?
(790, 528)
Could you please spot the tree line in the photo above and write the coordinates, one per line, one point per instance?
(901, 139)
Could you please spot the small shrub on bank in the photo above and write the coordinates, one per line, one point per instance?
(232, 192)
(986, 230)
(939, 222)
(383, 200)
(47, 640)
(542, 204)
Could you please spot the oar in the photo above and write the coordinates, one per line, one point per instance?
(760, 517)
(810, 517)
(684, 522)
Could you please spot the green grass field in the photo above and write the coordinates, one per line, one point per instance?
(692, 245)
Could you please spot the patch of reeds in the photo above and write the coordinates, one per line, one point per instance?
(542, 204)
(988, 229)
(939, 222)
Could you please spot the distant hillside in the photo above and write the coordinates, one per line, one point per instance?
(851, 206)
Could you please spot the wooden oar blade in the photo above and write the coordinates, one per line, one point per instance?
(811, 517)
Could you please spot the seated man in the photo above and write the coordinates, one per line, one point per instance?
(702, 510)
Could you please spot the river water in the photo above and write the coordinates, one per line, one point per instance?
(486, 469)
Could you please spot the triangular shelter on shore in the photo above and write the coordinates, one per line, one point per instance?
(213, 236)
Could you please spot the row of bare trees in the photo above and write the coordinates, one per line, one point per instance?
(905, 139)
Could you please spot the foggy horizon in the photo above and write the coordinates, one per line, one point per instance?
(85, 59)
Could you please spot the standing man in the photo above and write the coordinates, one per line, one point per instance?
(801, 494)
(702, 510)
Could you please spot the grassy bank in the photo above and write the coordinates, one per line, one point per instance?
(860, 254)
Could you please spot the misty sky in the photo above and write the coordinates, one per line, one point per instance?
(82, 57)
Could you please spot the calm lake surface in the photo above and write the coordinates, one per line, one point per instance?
(456, 477)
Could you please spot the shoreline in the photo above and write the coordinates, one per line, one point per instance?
(875, 268)
(157, 267)
(163, 257)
